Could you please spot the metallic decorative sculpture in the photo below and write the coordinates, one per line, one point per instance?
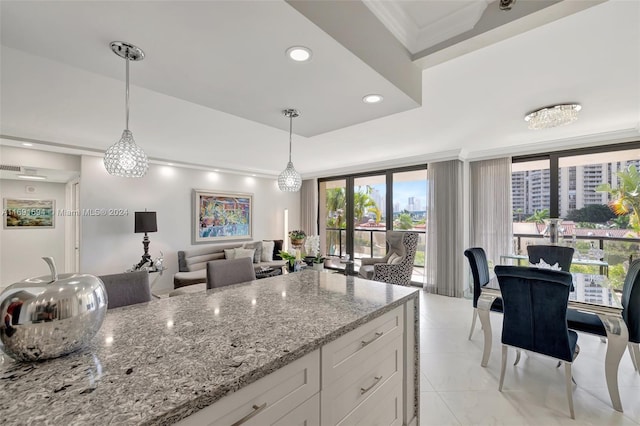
(50, 316)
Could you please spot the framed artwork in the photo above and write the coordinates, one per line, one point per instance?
(19, 213)
(220, 216)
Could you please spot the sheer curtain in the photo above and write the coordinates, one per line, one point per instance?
(309, 206)
(444, 268)
(491, 224)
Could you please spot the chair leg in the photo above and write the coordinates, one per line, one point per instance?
(517, 357)
(473, 322)
(567, 379)
(504, 366)
(634, 351)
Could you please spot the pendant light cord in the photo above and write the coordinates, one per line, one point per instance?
(290, 131)
(127, 95)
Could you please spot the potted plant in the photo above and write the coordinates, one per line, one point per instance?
(297, 237)
(290, 258)
(318, 262)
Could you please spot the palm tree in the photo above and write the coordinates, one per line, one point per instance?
(363, 203)
(336, 205)
(538, 216)
(626, 197)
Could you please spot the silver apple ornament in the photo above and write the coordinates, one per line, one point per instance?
(50, 316)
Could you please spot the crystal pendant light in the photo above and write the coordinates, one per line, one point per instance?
(125, 158)
(290, 180)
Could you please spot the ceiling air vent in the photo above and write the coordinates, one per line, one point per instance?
(9, 168)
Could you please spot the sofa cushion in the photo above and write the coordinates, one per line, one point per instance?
(230, 253)
(276, 249)
(257, 246)
(182, 279)
(267, 251)
(243, 252)
(197, 258)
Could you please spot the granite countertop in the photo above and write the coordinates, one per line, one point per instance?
(158, 362)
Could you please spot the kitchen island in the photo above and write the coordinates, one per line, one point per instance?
(171, 359)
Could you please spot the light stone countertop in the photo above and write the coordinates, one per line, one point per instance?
(158, 362)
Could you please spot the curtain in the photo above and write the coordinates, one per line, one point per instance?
(491, 224)
(444, 266)
(309, 206)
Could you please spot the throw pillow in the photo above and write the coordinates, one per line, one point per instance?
(276, 249)
(393, 259)
(257, 246)
(229, 253)
(242, 252)
(267, 251)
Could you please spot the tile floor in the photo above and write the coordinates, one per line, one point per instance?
(456, 390)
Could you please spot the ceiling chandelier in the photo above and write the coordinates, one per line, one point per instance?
(290, 180)
(125, 158)
(552, 116)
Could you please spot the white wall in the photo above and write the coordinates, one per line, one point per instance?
(108, 243)
(21, 249)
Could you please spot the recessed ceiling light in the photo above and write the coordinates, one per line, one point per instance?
(372, 99)
(169, 164)
(27, 144)
(299, 53)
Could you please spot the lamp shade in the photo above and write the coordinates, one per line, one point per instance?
(145, 222)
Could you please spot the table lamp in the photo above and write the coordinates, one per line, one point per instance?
(145, 222)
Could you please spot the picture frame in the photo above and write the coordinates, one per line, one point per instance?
(25, 213)
(221, 216)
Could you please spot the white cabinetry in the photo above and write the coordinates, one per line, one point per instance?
(363, 377)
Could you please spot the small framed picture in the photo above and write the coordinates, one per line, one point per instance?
(20, 213)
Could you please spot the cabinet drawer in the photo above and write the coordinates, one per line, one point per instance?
(384, 407)
(348, 352)
(307, 414)
(356, 386)
(264, 401)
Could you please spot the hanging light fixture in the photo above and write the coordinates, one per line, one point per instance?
(290, 180)
(125, 158)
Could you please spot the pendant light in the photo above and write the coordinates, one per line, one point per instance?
(125, 158)
(290, 180)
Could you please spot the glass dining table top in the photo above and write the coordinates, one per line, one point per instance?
(589, 289)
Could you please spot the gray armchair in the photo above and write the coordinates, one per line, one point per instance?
(399, 243)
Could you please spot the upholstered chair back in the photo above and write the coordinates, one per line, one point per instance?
(479, 270)
(225, 272)
(535, 310)
(127, 288)
(631, 301)
(551, 255)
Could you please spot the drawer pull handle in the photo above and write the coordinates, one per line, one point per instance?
(376, 337)
(375, 382)
(256, 410)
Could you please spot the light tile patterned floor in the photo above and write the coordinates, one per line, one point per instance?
(456, 390)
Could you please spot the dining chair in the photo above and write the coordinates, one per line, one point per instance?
(535, 316)
(396, 267)
(127, 288)
(225, 272)
(590, 323)
(480, 273)
(551, 254)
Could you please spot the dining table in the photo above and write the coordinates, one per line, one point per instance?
(591, 294)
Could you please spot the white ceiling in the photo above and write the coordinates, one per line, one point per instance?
(215, 79)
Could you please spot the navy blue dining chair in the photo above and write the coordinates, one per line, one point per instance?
(590, 323)
(535, 316)
(480, 273)
(551, 255)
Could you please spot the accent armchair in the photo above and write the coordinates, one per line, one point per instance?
(397, 266)
(535, 317)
